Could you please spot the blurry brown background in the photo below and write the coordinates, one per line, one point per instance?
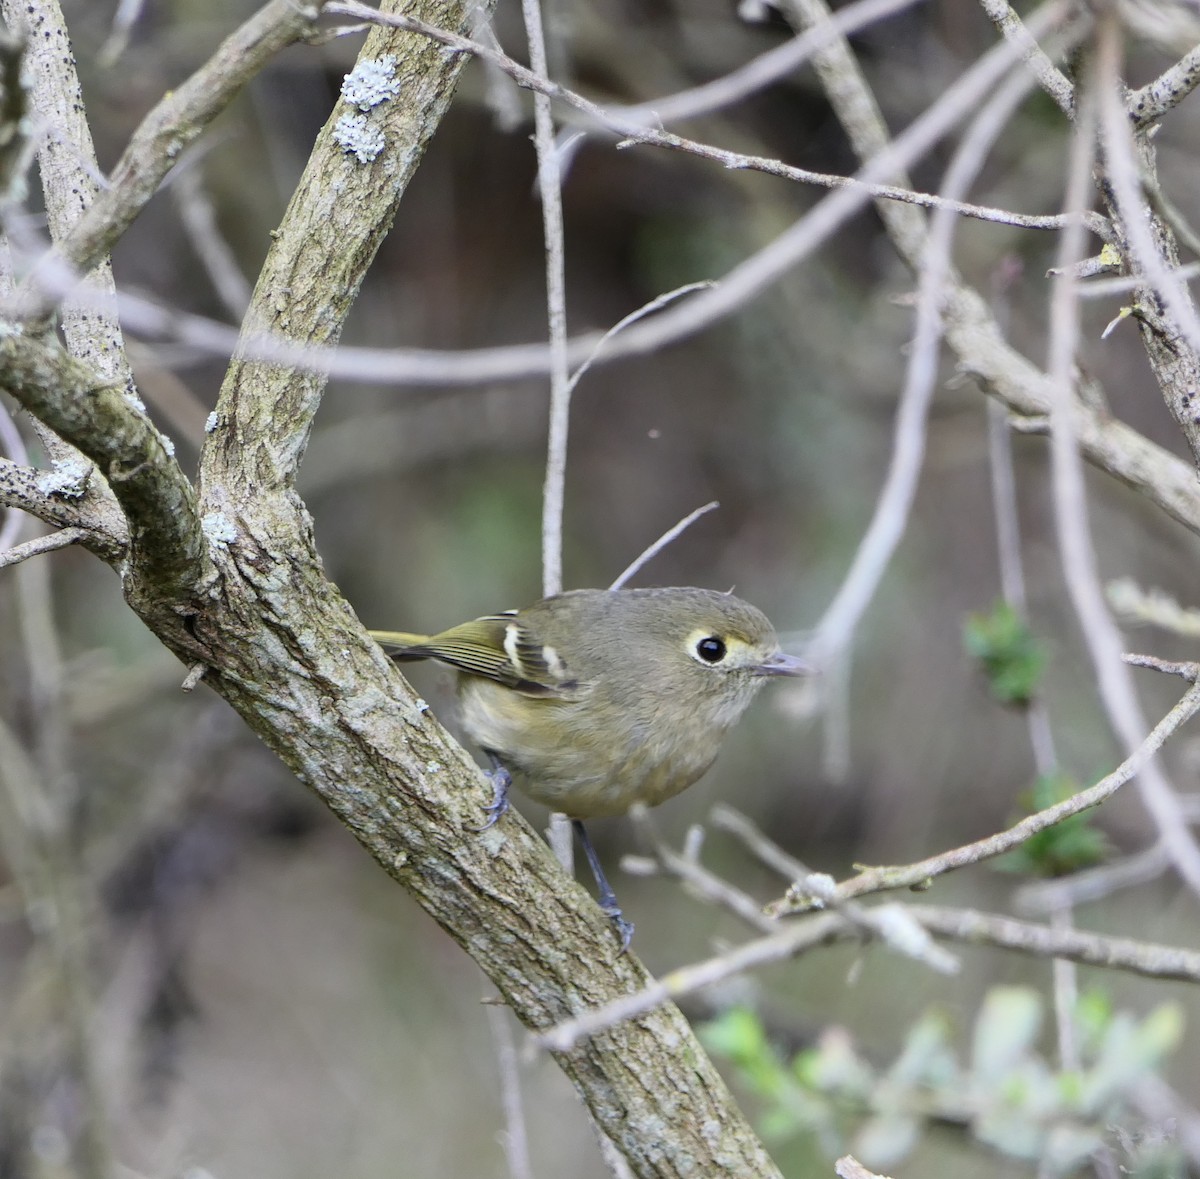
(275, 1006)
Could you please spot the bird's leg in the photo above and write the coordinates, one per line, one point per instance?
(607, 898)
(501, 781)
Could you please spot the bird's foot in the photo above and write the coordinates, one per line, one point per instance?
(501, 781)
(622, 928)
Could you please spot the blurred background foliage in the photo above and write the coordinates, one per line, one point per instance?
(269, 1003)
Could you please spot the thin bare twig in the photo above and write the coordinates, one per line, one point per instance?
(549, 178)
(177, 120)
(1004, 508)
(1090, 949)
(648, 554)
(14, 449)
(65, 929)
(1037, 720)
(725, 818)
(1052, 80)
(1166, 92)
(821, 929)
(1094, 884)
(1102, 638)
(515, 1138)
(199, 221)
(1153, 607)
(835, 631)
(1124, 177)
(634, 132)
(686, 867)
(655, 304)
(889, 923)
(41, 544)
(763, 70)
(550, 191)
(1143, 958)
(27, 816)
(1103, 288)
(1185, 669)
(1065, 978)
(921, 873)
(1012, 576)
(123, 21)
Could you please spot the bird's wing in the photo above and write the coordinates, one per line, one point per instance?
(497, 647)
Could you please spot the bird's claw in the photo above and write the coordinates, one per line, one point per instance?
(622, 928)
(501, 781)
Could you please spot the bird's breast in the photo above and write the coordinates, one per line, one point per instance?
(560, 756)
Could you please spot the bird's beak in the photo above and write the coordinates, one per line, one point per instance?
(783, 664)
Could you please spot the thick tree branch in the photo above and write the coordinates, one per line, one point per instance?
(339, 214)
(321, 695)
(971, 330)
(70, 180)
(66, 500)
(284, 648)
(166, 547)
(169, 128)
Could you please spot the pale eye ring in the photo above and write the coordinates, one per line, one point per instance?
(711, 649)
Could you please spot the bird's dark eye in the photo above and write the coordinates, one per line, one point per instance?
(711, 649)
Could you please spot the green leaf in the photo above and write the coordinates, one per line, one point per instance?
(926, 1058)
(1005, 1030)
(1093, 1015)
(778, 1124)
(738, 1035)
(1129, 1052)
(1068, 846)
(1015, 1110)
(834, 1067)
(1011, 658)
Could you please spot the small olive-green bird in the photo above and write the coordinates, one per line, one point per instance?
(592, 700)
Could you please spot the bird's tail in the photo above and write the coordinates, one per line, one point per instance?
(398, 643)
